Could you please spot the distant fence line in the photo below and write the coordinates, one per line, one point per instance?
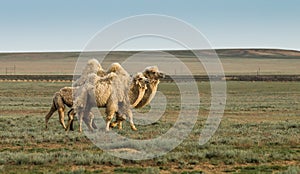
(167, 79)
(10, 70)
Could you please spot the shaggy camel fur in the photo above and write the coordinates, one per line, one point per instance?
(65, 98)
(93, 66)
(153, 75)
(113, 96)
(138, 87)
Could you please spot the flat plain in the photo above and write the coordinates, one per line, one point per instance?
(259, 132)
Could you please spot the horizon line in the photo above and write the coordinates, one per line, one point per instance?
(167, 49)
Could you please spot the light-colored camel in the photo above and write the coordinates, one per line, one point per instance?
(153, 75)
(64, 98)
(122, 110)
(114, 97)
(138, 86)
(136, 99)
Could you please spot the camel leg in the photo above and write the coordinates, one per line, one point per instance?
(50, 113)
(85, 114)
(71, 115)
(71, 125)
(108, 121)
(61, 113)
(94, 124)
(93, 121)
(119, 120)
(88, 120)
(56, 103)
(70, 121)
(80, 116)
(111, 109)
(90, 123)
(120, 125)
(114, 124)
(109, 117)
(131, 121)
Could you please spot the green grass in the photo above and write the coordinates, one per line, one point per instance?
(260, 132)
(136, 170)
(260, 169)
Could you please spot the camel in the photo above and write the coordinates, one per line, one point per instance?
(137, 90)
(64, 98)
(136, 99)
(153, 75)
(114, 97)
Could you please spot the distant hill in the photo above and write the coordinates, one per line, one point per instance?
(222, 53)
(234, 61)
(256, 53)
(244, 53)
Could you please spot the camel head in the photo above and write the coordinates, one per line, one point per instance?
(138, 88)
(152, 73)
(140, 80)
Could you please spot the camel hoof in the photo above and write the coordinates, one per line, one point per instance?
(133, 128)
(112, 125)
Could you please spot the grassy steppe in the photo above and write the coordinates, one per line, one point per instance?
(260, 132)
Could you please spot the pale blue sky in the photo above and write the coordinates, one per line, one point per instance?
(57, 25)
